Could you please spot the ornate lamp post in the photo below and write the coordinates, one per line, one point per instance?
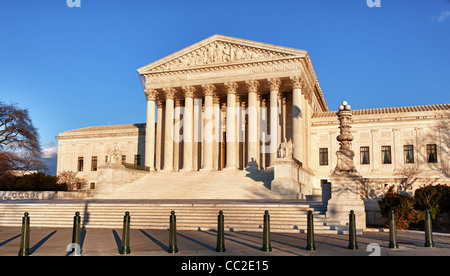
(345, 181)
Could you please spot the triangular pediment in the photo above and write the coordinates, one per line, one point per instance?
(220, 50)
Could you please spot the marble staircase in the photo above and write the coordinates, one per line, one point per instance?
(235, 184)
(191, 215)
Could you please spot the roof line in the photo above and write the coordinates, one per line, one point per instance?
(388, 110)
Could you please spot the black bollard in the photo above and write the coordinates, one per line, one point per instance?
(392, 231)
(220, 233)
(428, 230)
(310, 245)
(25, 237)
(352, 232)
(125, 249)
(173, 234)
(76, 235)
(266, 234)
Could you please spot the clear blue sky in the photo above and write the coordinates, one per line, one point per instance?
(76, 67)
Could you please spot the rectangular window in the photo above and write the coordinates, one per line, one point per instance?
(137, 160)
(80, 164)
(365, 158)
(408, 152)
(124, 159)
(106, 159)
(323, 156)
(94, 164)
(386, 155)
(431, 153)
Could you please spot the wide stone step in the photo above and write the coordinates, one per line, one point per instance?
(190, 216)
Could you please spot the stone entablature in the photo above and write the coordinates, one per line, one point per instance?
(103, 131)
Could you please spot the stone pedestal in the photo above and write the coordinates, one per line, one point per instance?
(113, 176)
(345, 196)
(283, 182)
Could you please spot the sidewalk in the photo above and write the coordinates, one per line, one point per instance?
(145, 242)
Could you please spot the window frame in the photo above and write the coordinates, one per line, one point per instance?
(323, 156)
(94, 163)
(408, 149)
(362, 152)
(384, 150)
(432, 151)
(80, 164)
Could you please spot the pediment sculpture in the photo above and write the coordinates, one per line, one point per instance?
(219, 52)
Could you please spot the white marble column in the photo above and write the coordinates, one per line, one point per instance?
(231, 126)
(274, 84)
(150, 129)
(297, 117)
(208, 130)
(253, 142)
(159, 130)
(188, 128)
(176, 135)
(217, 133)
(168, 129)
(197, 133)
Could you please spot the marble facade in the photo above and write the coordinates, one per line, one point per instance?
(232, 104)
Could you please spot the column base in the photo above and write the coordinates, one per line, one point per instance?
(167, 170)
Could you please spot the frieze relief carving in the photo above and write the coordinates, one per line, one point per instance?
(219, 52)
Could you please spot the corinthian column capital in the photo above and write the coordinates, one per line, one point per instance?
(252, 85)
(188, 91)
(208, 89)
(297, 82)
(169, 92)
(274, 84)
(231, 87)
(150, 94)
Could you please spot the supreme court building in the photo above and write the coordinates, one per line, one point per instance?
(241, 107)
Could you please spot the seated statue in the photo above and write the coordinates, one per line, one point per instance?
(285, 149)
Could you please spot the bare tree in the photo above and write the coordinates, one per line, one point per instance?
(19, 141)
(71, 180)
(409, 174)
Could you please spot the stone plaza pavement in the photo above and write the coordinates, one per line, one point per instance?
(147, 242)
